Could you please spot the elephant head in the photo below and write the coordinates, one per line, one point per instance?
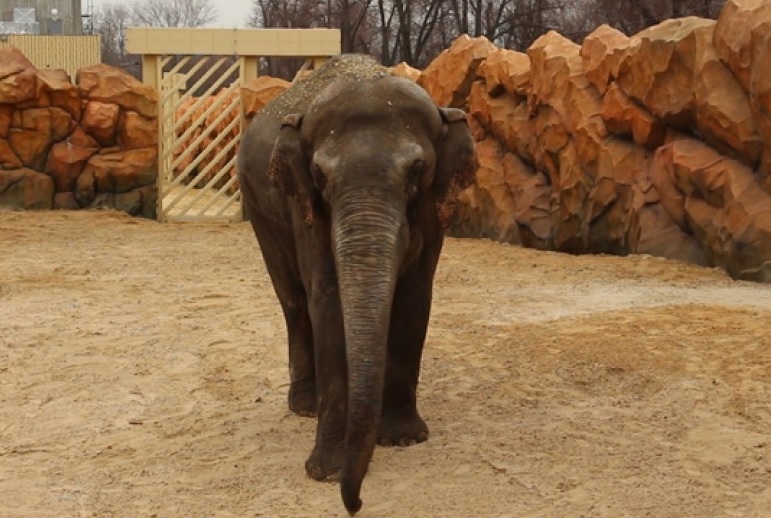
(360, 158)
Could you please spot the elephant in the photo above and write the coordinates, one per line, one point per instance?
(348, 179)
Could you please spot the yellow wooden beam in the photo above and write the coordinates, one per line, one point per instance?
(242, 42)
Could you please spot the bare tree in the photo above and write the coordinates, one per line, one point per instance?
(299, 14)
(173, 13)
(631, 16)
(507, 24)
(110, 22)
(415, 31)
(286, 13)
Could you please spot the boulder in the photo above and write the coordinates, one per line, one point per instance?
(85, 188)
(18, 78)
(449, 77)
(584, 120)
(31, 136)
(258, 92)
(618, 192)
(114, 86)
(478, 131)
(6, 117)
(560, 84)
(738, 35)
(13, 61)
(135, 131)
(659, 71)
(722, 108)
(660, 236)
(61, 123)
(508, 201)
(742, 39)
(120, 171)
(65, 163)
(506, 71)
(719, 200)
(80, 138)
(100, 120)
(610, 213)
(8, 159)
(503, 117)
(488, 205)
(510, 122)
(24, 189)
(601, 54)
(478, 103)
(549, 137)
(569, 198)
(149, 201)
(405, 71)
(136, 202)
(554, 60)
(65, 201)
(533, 210)
(56, 85)
(624, 117)
(760, 89)
(129, 202)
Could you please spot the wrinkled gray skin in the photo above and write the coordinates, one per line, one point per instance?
(347, 180)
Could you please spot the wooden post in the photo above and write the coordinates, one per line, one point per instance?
(251, 67)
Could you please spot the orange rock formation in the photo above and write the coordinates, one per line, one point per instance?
(57, 138)
(659, 143)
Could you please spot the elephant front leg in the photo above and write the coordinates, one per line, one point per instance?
(400, 423)
(326, 459)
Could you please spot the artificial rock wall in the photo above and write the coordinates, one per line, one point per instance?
(656, 144)
(64, 145)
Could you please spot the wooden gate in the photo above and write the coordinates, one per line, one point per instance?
(198, 74)
(198, 136)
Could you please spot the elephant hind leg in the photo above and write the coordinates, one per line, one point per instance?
(302, 396)
(277, 247)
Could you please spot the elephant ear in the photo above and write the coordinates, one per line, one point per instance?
(456, 162)
(288, 168)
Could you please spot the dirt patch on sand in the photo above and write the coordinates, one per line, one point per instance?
(143, 373)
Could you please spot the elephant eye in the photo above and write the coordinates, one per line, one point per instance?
(319, 178)
(416, 171)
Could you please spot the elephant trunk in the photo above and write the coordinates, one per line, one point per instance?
(367, 247)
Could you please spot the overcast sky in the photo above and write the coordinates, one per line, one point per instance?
(232, 13)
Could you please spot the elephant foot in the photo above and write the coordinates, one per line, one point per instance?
(302, 398)
(402, 430)
(324, 464)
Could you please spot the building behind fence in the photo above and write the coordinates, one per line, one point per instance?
(45, 17)
(50, 33)
(68, 52)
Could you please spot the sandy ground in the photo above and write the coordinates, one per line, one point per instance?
(143, 373)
